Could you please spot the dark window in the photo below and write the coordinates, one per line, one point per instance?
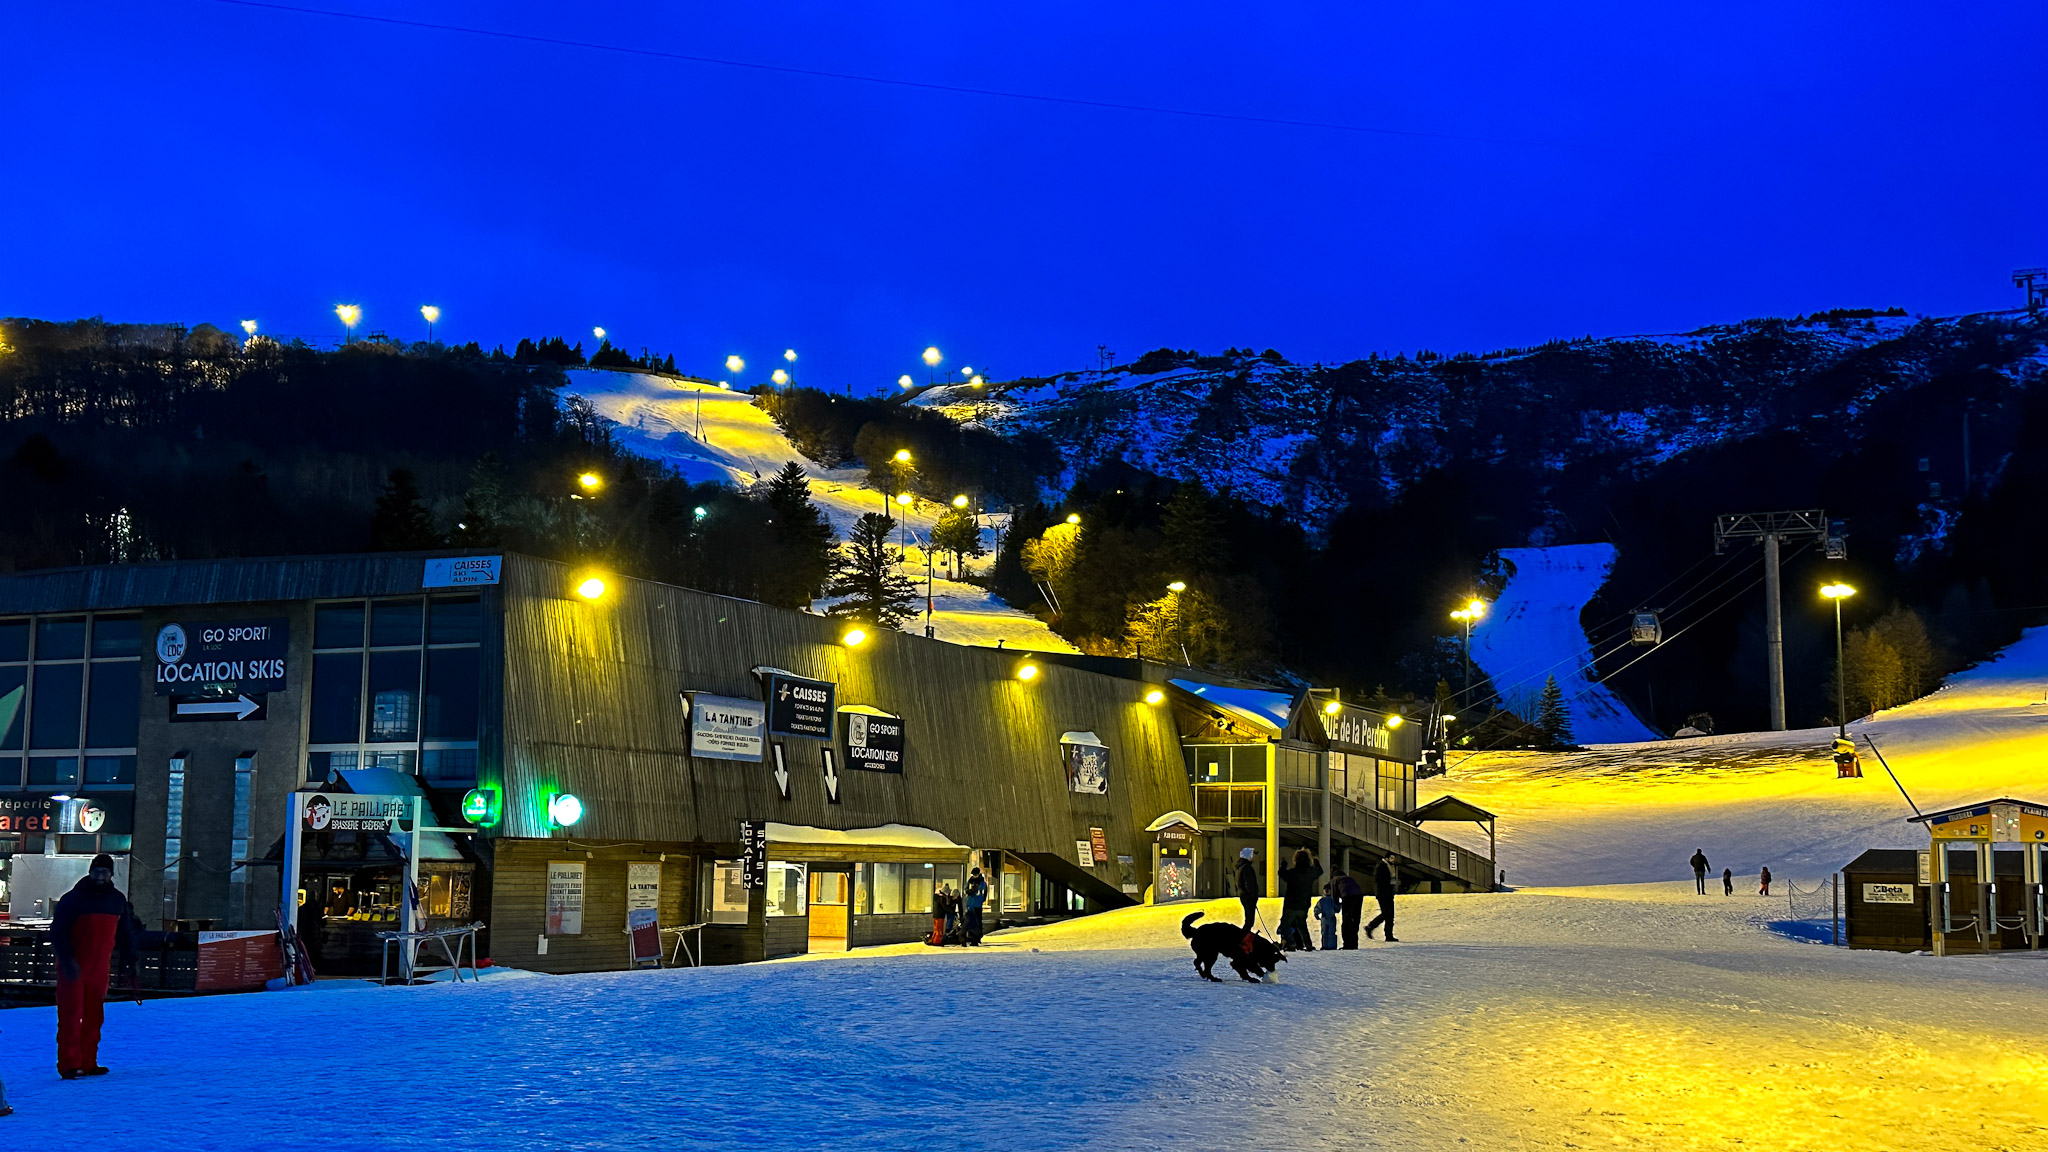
(78, 845)
(110, 769)
(54, 723)
(338, 626)
(117, 843)
(337, 698)
(60, 638)
(394, 696)
(13, 640)
(10, 777)
(459, 621)
(394, 622)
(450, 712)
(110, 714)
(52, 770)
(117, 636)
(449, 766)
(11, 679)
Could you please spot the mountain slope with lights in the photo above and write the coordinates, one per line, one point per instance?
(1628, 812)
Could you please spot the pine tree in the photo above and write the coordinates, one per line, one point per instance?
(1553, 719)
(483, 506)
(959, 533)
(401, 522)
(801, 561)
(875, 591)
(1193, 527)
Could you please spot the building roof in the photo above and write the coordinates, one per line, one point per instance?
(1450, 808)
(1268, 710)
(1980, 808)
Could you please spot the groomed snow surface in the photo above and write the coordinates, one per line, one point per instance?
(1642, 1017)
(1532, 632)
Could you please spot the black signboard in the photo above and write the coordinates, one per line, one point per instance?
(873, 742)
(110, 815)
(753, 853)
(221, 657)
(799, 707)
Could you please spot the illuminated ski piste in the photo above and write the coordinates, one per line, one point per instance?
(709, 434)
(1640, 1017)
(1627, 812)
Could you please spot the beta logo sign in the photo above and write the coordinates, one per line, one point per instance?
(226, 656)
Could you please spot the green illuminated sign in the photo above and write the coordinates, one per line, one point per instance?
(480, 806)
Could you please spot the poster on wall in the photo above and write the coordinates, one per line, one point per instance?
(1099, 841)
(565, 897)
(1084, 853)
(873, 739)
(643, 885)
(753, 853)
(726, 727)
(796, 706)
(1087, 761)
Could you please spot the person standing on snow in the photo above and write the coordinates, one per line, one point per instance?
(1763, 882)
(977, 896)
(942, 910)
(1297, 892)
(1326, 911)
(91, 923)
(1248, 888)
(1699, 869)
(1384, 882)
(1727, 881)
(1351, 898)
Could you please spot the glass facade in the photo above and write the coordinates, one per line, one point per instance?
(397, 684)
(70, 704)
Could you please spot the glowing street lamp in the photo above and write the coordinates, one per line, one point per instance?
(960, 501)
(1027, 671)
(780, 377)
(1839, 593)
(597, 334)
(590, 481)
(1176, 586)
(1155, 696)
(350, 315)
(1073, 517)
(735, 365)
(592, 588)
(249, 327)
(854, 637)
(1469, 615)
(432, 315)
(905, 381)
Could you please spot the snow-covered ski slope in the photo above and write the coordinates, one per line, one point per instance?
(1640, 1017)
(709, 434)
(1532, 631)
(1629, 812)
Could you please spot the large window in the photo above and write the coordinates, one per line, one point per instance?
(786, 890)
(71, 690)
(1227, 763)
(724, 890)
(397, 684)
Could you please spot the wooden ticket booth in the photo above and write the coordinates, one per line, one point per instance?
(1968, 907)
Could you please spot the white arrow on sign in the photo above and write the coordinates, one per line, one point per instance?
(781, 773)
(242, 707)
(831, 777)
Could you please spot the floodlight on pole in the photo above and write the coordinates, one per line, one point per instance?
(431, 315)
(902, 456)
(789, 354)
(350, 315)
(735, 365)
(597, 333)
(931, 362)
(1177, 586)
(1073, 517)
(248, 327)
(780, 377)
(1839, 593)
(905, 381)
(960, 501)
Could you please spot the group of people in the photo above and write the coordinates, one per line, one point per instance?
(956, 916)
(1338, 903)
(1699, 876)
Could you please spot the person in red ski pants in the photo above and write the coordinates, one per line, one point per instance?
(91, 924)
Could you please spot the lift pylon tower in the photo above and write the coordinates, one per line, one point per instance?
(1773, 528)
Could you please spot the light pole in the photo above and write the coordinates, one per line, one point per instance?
(735, 365)
(1839, 593)
(902, 459)
(350, 315)
(903, 501)
(431, 314)
(931, 363)
(1468, 616)
(789, 357)
(249, 329)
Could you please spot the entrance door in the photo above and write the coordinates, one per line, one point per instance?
(829, 891)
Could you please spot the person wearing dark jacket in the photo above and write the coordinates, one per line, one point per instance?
(1763, 883)
(1351, 898)
(1299, 885)
(977, 896)
(1727, 881)
(1699, 869)
(1383, 884)
(91, 924)
(1248, 888)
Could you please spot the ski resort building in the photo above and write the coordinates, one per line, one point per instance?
(359, 745)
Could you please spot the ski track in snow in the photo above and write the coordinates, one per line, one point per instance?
(1532, 631)
(659, 418)
(1627, 812)
(1639, 1016)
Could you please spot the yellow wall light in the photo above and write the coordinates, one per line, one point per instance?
(1332, 708)
(591, 587)
(591, 481)
(1073, 517)
(854, 637)
(1155, 696)
(1027, 671)
(1393, 721)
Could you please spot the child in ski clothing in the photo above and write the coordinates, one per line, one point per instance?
(1763, 882)
(91, 923)
(977, 895)
(1326, 911)
(1727, 881)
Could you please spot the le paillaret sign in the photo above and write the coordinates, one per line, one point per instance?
(245, 656)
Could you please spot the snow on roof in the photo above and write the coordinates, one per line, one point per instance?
(1170, 819)
(1270, 709)
(1088, 738)
(885, 835)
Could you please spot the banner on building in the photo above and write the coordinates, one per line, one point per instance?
(873, 738)
(796, 706)
(225, 657)
(565, 898)
(753, 854)
(643, 885)
(1087, 761)
(726, 727)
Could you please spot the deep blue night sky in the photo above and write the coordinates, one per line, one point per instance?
(1617, 168)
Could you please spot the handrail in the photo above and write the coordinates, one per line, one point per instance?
(1243, 804)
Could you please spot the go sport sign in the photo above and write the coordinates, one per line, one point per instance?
(245, 656)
